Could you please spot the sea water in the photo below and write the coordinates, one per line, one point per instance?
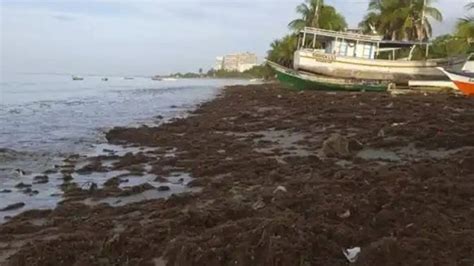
(45, 118)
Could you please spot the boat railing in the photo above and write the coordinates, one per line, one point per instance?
(340, 34)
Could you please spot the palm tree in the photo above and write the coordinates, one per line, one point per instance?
(314, 13)
(465, 26)
(401, 19)
(282, 50)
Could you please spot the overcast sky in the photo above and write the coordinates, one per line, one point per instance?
(148, 37)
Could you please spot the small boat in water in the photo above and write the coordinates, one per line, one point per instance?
(128, 78)
(157, 78)
(169, 79)
(307, 81)
(105, 79)
(77, 78)
(464, 81)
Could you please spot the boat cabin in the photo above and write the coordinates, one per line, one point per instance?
(351, 44)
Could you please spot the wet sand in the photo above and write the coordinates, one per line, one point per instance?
(267, 176)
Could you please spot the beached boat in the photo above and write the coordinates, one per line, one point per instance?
(353, 55)
(77, 78)
(464, 81)
(307, 81)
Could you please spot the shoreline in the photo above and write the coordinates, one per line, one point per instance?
(282, 177)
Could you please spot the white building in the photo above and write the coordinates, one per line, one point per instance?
(236, 62)
(219, 62)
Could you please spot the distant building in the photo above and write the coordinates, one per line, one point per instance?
(219, 62)
(236, 62)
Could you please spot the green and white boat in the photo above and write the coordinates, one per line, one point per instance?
(307, 81)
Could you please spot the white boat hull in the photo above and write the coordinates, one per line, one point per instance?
(358, 68)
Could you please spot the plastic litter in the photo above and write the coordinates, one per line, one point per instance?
(345, 215)
(280, 188)
(351, 254)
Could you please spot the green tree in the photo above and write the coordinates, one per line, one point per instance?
(282, 50)
(401, 19)
(314, 13)
(465, 26)
(448, 45)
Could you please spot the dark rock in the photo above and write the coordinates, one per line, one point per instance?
(161, 179)
(22, 185)
(50, 171)
(67, 178)
(41, 179)
(336, 146)
(30, 191)
(6, 191)
(163, 188)
(13, 207)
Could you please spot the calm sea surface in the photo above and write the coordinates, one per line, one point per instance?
(44, 118)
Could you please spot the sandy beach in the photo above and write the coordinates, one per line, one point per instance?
(262, 175)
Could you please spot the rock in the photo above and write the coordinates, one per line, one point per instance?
(336, 146)
(41, 179)
(22, 185)
(50, 171)
(67, 178)
(6, 191)
(13, 207)
(163, 188)
(161, 179)
(30, 192)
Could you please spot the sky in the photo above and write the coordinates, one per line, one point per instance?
(145, 37)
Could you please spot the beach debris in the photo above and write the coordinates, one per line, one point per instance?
(22, 185)
(258, 205)
(381, 133)
(41, 179)
(351, 254)
(20, 172)
(12, 207)
(279, 96)
(390, 105)
(28, 191)
(159, 261)
(221, 151)
(90, 186)
(336, 146)
(280, 189)
(163, 188)
(355, 145)
(398, 124)
(345, 214)
(67, 177)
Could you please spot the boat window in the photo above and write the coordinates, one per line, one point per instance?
(343, 48)
(367, 53)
